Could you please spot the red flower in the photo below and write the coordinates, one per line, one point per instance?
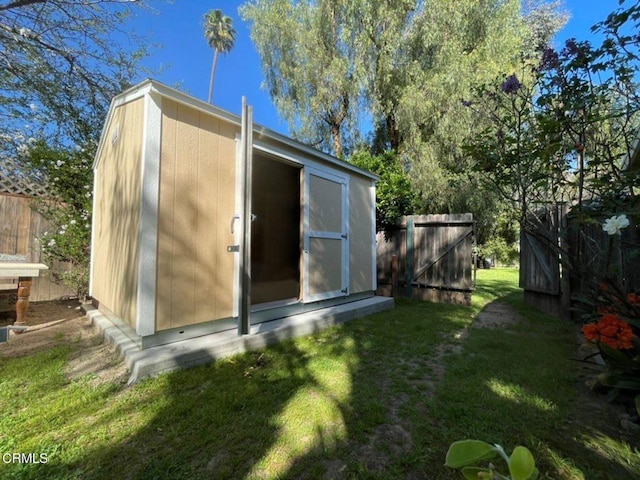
(633, 299)
(611, 331)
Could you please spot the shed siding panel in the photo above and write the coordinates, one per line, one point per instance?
(207, 194)
(117, 213)
(197, 199)
(225, 204)
(165, 216)
(361, 241)
(185, 217)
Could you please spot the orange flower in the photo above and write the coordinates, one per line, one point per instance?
(611, 331)
(591, 332)
(633, 298)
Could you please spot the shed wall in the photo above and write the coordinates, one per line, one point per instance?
(197, 202)
(117, 212)
(361, 230)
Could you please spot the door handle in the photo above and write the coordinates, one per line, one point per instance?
(233, 221)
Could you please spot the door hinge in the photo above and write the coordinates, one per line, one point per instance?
(345, 290)
(345, 235)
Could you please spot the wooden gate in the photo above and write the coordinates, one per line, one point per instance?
(429, 257)
(541, 274)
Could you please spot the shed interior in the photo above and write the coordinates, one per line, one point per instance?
(275, 231)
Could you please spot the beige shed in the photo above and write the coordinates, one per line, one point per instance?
(204, 222)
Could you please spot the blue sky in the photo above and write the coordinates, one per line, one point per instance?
(185, 58)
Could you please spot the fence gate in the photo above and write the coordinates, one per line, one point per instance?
(428, 257)
(540, 269)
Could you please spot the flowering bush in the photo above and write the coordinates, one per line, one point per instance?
(611, 331)
(69, 180)
(614, 328)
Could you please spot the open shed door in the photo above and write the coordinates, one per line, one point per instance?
(325, 235)
(242, 291)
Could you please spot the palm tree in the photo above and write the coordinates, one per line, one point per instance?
(219, 32)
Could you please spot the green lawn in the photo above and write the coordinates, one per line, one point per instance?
(380, 398)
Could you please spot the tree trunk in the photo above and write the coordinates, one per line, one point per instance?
(213, 74)
(337, 143)
(392, 132)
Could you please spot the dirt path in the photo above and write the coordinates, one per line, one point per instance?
(64, 322)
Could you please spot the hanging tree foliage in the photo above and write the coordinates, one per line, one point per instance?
(62, 62)
(392, 75)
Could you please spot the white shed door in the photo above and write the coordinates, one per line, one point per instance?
(326, 243)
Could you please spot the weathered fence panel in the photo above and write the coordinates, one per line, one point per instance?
(20, 226)
(595, 255)
(434, 258)
(545, 283)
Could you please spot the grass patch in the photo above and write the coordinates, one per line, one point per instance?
(380, 398)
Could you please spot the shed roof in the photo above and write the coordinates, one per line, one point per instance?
(151, 86)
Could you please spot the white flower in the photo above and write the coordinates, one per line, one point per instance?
(59, 163)
(25, 32)
(52, 243)
(23, 150)
(72, 222)
(615, 224)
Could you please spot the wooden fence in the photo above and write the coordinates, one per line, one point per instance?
(596, 254)
(429, 257)
(20, 226)
(590, 254)
(546, 285)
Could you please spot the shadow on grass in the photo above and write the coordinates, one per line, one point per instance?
(376, 398)
(526, 390)
(329, 405)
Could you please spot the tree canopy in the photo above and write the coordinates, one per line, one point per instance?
(392, 76)
(62, 62)
(61, 65)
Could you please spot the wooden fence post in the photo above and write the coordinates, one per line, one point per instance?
(394, 276)
(409, 259)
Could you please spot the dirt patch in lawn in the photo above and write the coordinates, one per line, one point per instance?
(64, 323)
(497, 315)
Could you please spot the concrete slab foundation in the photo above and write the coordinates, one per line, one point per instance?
(186, 353)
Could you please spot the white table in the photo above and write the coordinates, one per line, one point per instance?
(25, 272)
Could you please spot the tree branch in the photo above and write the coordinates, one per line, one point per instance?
(26, 3)
(19, 4)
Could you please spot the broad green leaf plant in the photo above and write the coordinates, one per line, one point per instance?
(465, 455)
